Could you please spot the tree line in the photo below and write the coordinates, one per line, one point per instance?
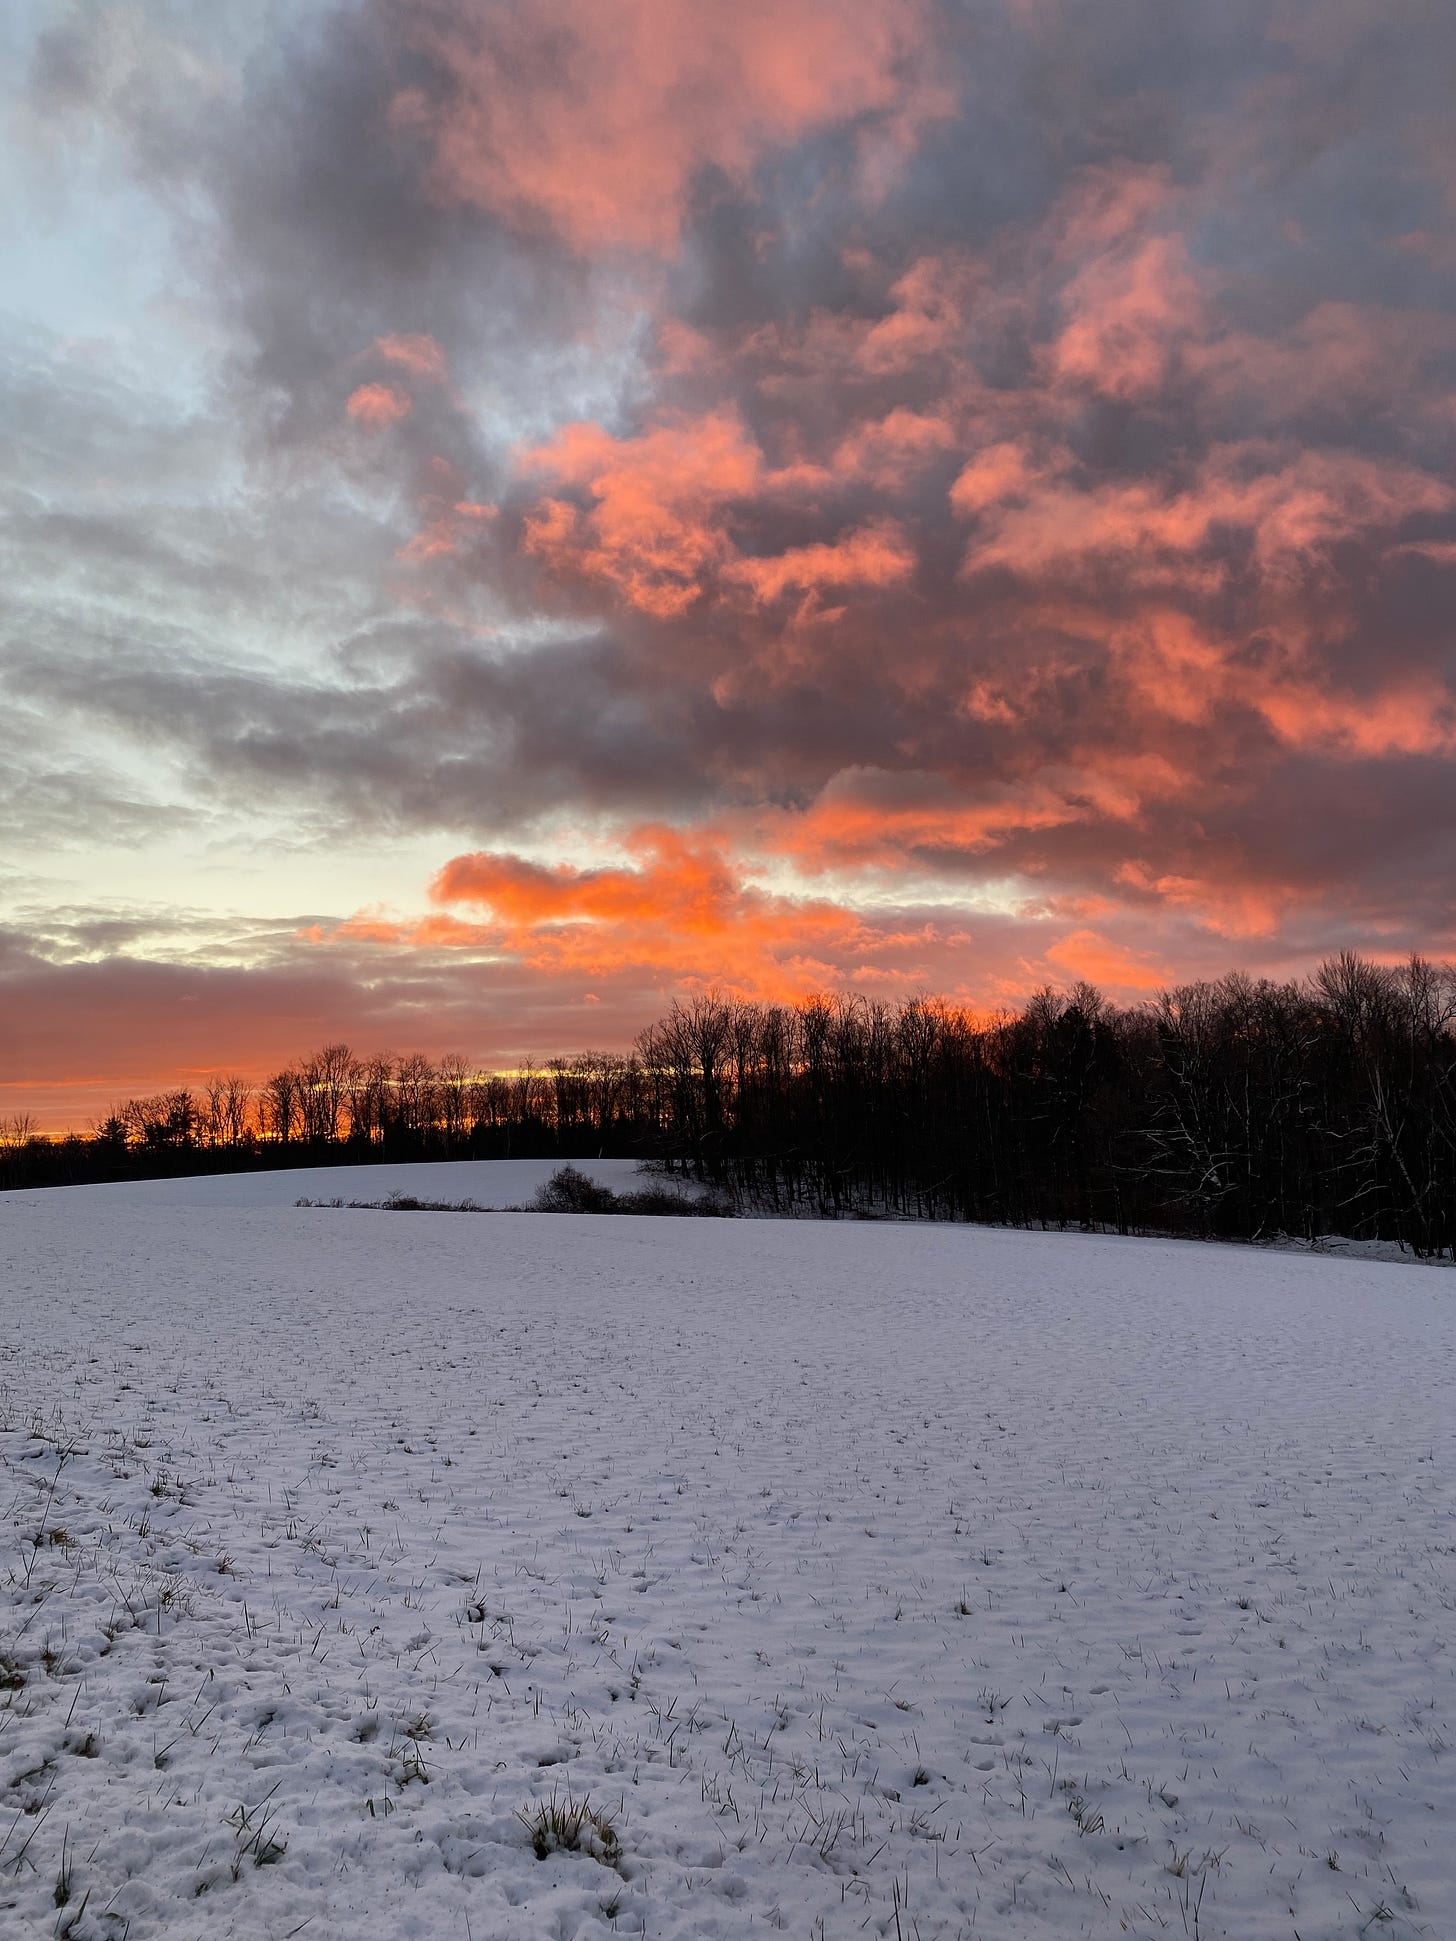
(1234, 1108)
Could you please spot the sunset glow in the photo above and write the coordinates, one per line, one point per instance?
(514, 512)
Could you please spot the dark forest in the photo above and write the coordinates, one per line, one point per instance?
(1237, 1109)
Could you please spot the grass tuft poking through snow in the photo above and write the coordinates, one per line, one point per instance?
(571, 1826)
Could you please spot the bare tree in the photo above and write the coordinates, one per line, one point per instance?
(326, 1080)
(453, 1080)
(415, 1093)
(226, 1104)
(280, 1102)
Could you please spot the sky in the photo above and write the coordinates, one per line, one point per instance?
(511, 512)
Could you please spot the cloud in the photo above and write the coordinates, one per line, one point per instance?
(599, 117)
(681, 907)
(377, 406)
(1086, 956)
(998, 457)
(414, 351)
(872, 555)
(654, 523)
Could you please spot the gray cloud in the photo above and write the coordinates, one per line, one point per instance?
(1184, 267)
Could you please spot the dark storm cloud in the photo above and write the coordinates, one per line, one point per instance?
(460, 739)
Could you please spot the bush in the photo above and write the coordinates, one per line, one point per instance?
(569, 1190)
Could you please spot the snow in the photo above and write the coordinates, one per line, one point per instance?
(489, 1182)
(886, 1580)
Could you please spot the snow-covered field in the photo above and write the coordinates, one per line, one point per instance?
(905, 1581)
(489, 1182)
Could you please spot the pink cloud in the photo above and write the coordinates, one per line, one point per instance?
(1129, 315)
(654, 523)
(877, 555)
(377, 406)
(1096, 959)
(418, 354)
(595, 116)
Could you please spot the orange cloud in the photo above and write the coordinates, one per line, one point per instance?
(595, 116)
(1229, 909)
(923, 333)
(418, 354)
(1086, 954)
(876, 555)
(682, 914)
(885, 819)
(1291, 509)
(377, 926)
(682, 908)
(1106, 207)
(1000, 472)
(876, 818)
(1410, 718)
(448, 529)
(689, 886)
(1177, 667)
(890, 450)
(377, 406)
(449, 520)
(1129, 316)
(654, 527)
(929, 318)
